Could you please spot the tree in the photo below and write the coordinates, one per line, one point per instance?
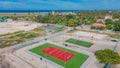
(86, 18)
(116, 25)
(108, 56)
(70, 16)
(109, 26)
(116, 15)
(108, 21)
(14, 17)
(73, 23)
(45, 19)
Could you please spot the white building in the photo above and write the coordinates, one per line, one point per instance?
(108, 17)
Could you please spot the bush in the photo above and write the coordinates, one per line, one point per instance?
(27, 35)
(92, 27)
(98, 28)
(108, 21)
(109, 27)
(116, 26)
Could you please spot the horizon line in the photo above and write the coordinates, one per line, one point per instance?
(57, 10)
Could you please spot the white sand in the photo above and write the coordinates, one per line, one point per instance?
(34, 59)
(9, 27)
(118, 48)
(90, 35)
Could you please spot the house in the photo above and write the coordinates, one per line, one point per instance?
(108, 17)
(98, 25)
(3, 19)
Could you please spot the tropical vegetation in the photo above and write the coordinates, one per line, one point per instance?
(108, 56)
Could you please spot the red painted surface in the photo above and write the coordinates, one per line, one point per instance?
(99, 25)
(58, 53)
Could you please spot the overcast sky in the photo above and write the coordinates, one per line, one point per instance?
(58, 4)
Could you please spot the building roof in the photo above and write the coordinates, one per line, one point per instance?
(108, 17)
(3, 19)
(99, 25)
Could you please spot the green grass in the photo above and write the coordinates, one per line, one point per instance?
(28, 35)
(5, 42)
(75, 62)
(20, 36)
(79, 42)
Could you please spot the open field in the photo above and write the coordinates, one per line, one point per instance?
(113, 35)
(17, 37)
(33, 58)
(31, 53)
(79, 42)
(98, 44)
(91, 35)
(17, 14)
(13, 26)
(15, 32)
(75, 62)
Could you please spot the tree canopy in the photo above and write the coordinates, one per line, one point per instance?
(116, 25)
(85, 18)
(108, 21)
(107, 56)
(79, 18)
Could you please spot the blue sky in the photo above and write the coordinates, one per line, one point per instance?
(58, 4)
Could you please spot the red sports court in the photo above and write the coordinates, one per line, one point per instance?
(58, 53)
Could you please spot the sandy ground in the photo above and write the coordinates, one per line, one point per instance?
(90, 35)
(119, 49)
(9, 27)
(33, 61)
(98, 44)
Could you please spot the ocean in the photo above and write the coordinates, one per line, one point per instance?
(26, 11)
